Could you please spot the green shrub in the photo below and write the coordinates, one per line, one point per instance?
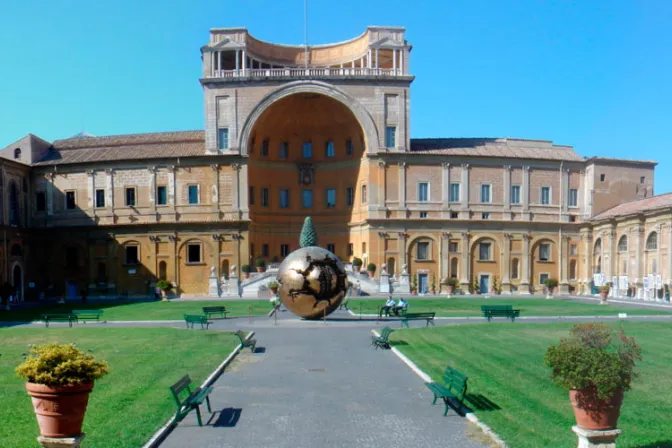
(357, 262)
(550, 283)
(371, 267)
(59, 365)
(273, 285)
(260, 263)
(245, 268)
(452, 281)
(164, 285)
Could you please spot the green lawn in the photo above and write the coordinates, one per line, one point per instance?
(127, 406)
(504, 363)
(528, 307)
(171, 310)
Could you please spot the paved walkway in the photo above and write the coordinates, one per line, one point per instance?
(321, 386)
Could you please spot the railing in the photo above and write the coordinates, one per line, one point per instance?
(305, 73)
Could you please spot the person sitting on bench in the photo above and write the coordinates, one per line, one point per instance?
(389, 305)
(402, 305)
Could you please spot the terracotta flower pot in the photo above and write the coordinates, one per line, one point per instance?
(604, 294)
(274, 290)
(260, 269)
(595, 414)
(371, 273)
(356, 268)
(246, 275)
(449, 289)
(60, 409)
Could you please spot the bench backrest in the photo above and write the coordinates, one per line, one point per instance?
(385, 333)
(98, 312)
(456, 380)
(178, 389)
(194, 317)
(421, 315)
(241, 335)
(496, 307)
(214, 309)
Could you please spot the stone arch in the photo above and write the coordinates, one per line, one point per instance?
(391, 265)
(430, 265)
(225, 272)
(652, 241)
(372, 139)
(192, 279)
(543, 267)
(163, 270)
(597, 256)
(454, 268)
(490, 267)
(515, 269)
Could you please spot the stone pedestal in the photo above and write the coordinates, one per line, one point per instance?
(213, 286)
(563, 289)
(63, 442)
(596, 439)
(233, 287)
(404, 284)
(524, 289)
(384, 283)
(506, 288)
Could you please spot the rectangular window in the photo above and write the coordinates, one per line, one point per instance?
(329, 149)
(363, 194)
(193, 253)
(350, 195)
(390, 137)
(250, 195)
(331, 247)
(515, 194)
(130, 197)
(307, 198)
(363, 248)
(264, 147)
(161, 195)
(542, 278)
(423, 251)
(348, 147)
(572, 199)
(264, 197)
(132, 254)
(70, 201)
(100, 198)
(485, 193)
(193, 194)
(351, 249)
(642, 179)
(544, 252)
(423, 214)
(284, 150)
(484, 251)
(452, 246)
(485, 215)
(572, 249)
(454, 215)
(423, 192)
(284, 198)
(545, 195)
(331, 197)
(603, 177)
(307, 150)
(40, 201)
(454, 192)
(264, 250)
(251, 251)
(284, 250)
(223, 138)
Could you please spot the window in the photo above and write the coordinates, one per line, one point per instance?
(514, 268)
(284, 150)
(264, 147)
(307, 198)
(454, 215)
(40, 201)
(652, 241)
(452, 246)
(485, 215)
(485, 193)
(423, 214)
(264, 250)
(250, 195)
(251, 251)
(130, 197)
(545, 195)
(100, 198)
(572, 270)
(542, 278)
(544, 252)
(363, 194)
(515, 194)
(284, 250)
(331, 247)
(348, 147)
(223, 138)
(602, 177)
(17, 153)
(351, 249)
(193, 194)
(193, 253)
(642, 180)
(390, 137)
(363, 248)
(623, 244)
(484, 251)
(264, 197)
(161, 195)
(284, 198)
(71, 257)
(572, 250)
(454, 192)
(70, 201)
(350, 195)
(453, 268)
(132, 254)
(423, 192)
(307, 150)
(331, 197)
(329, 149)
(573, 197)
(423, 251)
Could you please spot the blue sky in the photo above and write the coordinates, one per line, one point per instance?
(592, 74)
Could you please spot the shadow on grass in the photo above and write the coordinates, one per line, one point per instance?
(481, 403)
(661, 444)
(226, 418)
(398, 343)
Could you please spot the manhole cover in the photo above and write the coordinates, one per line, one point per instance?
(317, 370)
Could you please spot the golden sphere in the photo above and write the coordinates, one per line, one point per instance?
(312, 282)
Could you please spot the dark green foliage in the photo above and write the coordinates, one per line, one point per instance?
(164, 285)
(357, 262)
(550, 283)
(245, 268)
(371, 267)
(308, 234)
(260, 263)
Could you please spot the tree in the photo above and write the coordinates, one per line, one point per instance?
(308, 234)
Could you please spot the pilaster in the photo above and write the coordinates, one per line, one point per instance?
(109, 190)
(563, 260)
(152, 189)
(402, 250)
(526, 193)
(50, 194)
(464, 271)
(91, 189)
(525, 274)
(444, 261)
(505, 269)
(586, 237)
(215, 190)
(445, 179)
(402, 184)
(464, 214)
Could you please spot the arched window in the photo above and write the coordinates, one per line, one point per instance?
(162, 270)
(572, 270)
(624, 270)
(654, 266)
(652, 241)
(515, 268)
(13, 204)
(623, 244)
(391, 265)
(17, 153)
(597, 250)
(225, 269)
(453, 268)
(598, 265)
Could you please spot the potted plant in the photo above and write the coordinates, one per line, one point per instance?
(451, 284)
(165, 287)
(433, 286)
(356, 264)
(245, 269)
(60, 378)
(414, 285)
(273, 286)
(604, 293)
(371, 269)
(550, 284)
(260, 264)
(596, 364)
(475, 287)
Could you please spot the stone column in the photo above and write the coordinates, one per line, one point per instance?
(609, 268)
(526, 193)
(381, 185)
(525, 268)
(91, 188)
(242, 191)
(563, 260)
(402, 249)
(445, 179)
(444, 261)
(580, 199)
(109, 190)
(564, 190)
(586, 236)
(50, 195)
(402, 184)
(235, 186)
(596, 439)
(507, 187)
(638, 234)
(464, 271)
(215, 189)
(669, 254)
(152, 188)
(172, 186)
(505, 269)
(465, 191)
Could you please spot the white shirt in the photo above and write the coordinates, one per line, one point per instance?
(390, 302)
(403, 303)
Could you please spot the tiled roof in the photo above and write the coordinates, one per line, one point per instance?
(125, 147)
(616, 160)
(638, 206)
(495, 147)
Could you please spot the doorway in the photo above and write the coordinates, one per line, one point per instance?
(422, 284)
(17, 283)
(484, 284)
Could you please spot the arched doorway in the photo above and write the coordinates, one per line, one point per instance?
(391, 266)
(17, 282)
(453, 267)
(225, 269)
(163, 267)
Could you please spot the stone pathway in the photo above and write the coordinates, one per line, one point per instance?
(322, 386)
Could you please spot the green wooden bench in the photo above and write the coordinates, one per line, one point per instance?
(454, 387)
(382, 341)
(58, 317)
(252, 343)
(191, 319)
(490, 311)
(210, 310)
(344, 304)
(191, 400)
(429, 317)
(87, 314)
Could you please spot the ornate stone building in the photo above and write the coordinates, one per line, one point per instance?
(321, 131)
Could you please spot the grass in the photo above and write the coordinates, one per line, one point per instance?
(126, 310)
(505, 366)
(127, 406)
(528, 307)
